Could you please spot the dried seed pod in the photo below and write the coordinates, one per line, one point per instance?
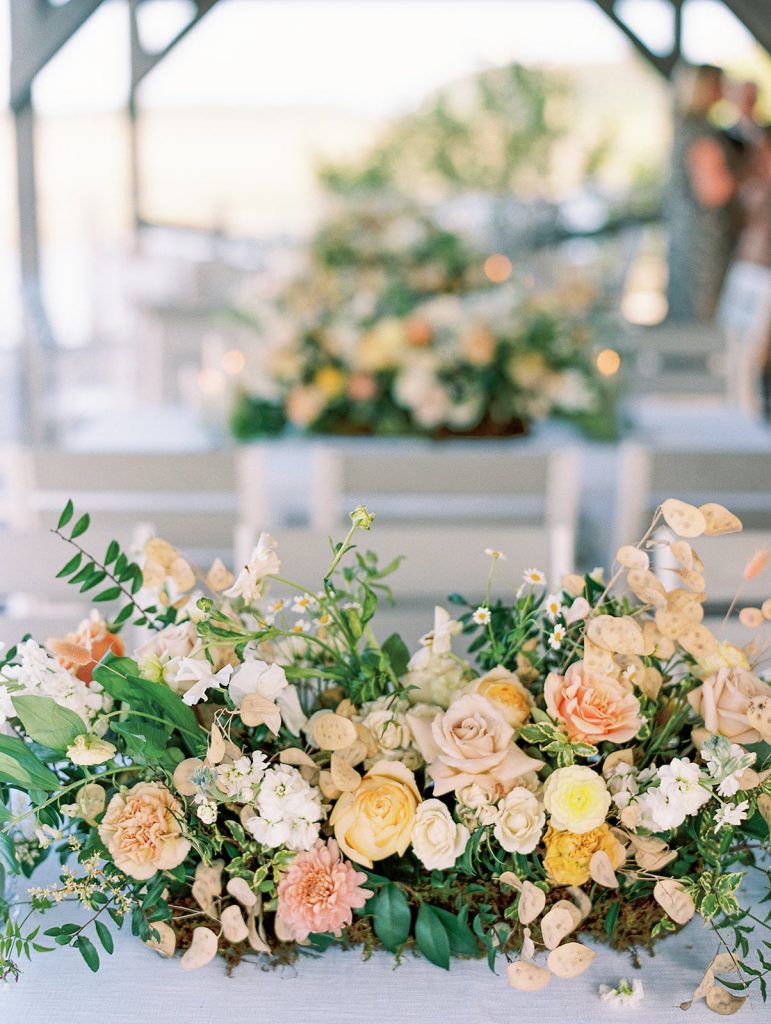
(216, 751)
(674, 900)
(698, 641)
(570, 960)
(525, 976)
(721, 1001)
(181, 779)
(240, 889)
(532, 900)
(203, 949)
(166, 942)
(618, 635)
(719, 520)
(556, 925)
(233, 925)
(632, 558)
(686, 520)
(344, 777)
(327, 785)
(751, 618)
(647, 586)
(601, 870)
(219, 577)
(614, 758)
(256, 710)
(333, 732)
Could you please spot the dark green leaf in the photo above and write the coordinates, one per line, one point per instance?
(110, 594)
(46, 722)
(66, 515)
(461, 937)
(105, 936)
(391, 915)
(88, 952)
(71, 566)
(431, 937)
(80, 527)
(398, 653)
(20, 766)
(123, 614)
(112, 552)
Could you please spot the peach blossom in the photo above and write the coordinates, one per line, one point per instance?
(142, 832)
(593, 707)
(319, 891)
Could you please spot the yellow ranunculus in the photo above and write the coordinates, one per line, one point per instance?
(576, 798)
(568, 854)
(375, 820)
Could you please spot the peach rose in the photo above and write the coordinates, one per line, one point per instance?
(142, 832)
(470, 742)
(723, 699)
(506, 693)
(375, 820)
(593, 707)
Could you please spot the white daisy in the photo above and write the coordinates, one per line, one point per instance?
(495, 554)
(553, 606)
(301, 626)
(303, 603)
(556, 638)
(481, 616)
(535, 577)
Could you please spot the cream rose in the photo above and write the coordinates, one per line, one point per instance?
(576, 798)
(160, 657)
(471, 742)
(723, 700)
(506, 693)
(376, 819)
(142, 832)
(476, 805)
(520, 821)
(593, 707)
(437, 840)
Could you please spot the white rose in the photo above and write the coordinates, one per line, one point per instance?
(476, 805)
(520, 821)
(437, 840)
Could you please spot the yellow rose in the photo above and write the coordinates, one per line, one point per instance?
(568, 854)
(142, 830)
(376, 819)
(330, 381)
(576, 798)
(506, 693)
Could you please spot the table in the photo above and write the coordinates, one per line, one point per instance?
(136, 986)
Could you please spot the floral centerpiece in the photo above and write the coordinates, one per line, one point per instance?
(401, 327)
(264, 775)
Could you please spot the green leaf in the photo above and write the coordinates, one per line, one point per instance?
(120, 678)
(113, 550)
(398, 653)
(123, 614)
(462, 940)
(110, 594)
(66, 515)
(431, 937)
(392, 916)
(105, 936)
(370, 606)
(46, 722)
(88, 952)
(71, 566)
(80, 527)
(20, 766)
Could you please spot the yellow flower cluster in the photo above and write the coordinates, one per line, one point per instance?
(568, 853)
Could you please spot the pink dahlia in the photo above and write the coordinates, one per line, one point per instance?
(318, 892)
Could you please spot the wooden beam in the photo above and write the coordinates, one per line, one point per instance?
(663, 64)
(38, 32)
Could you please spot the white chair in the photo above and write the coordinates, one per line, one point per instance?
(188, 498)
(740, 480)
(438, 505)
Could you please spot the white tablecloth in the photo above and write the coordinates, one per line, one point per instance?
(136, 986)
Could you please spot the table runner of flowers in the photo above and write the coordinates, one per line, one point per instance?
(265, 774)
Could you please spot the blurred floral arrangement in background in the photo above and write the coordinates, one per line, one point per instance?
(399, 326)
(265, 775)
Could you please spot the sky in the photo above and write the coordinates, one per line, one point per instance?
(376, 57)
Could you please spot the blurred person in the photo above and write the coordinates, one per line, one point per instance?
(746, 133)
(745, 305)
(702, 208)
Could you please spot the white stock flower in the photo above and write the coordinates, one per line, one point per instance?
(731, 814)
(678, 795)
(288, 810)
(263, 562)
(38, 674)
(437, 840)
(623, 994)
(206, 812)
(521, 818)
(237, 779)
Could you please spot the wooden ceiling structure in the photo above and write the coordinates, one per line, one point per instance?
(40, 28)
